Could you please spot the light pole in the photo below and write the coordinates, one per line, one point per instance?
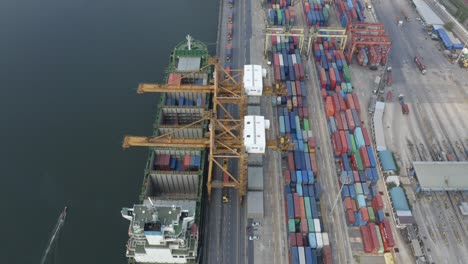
(344, 179)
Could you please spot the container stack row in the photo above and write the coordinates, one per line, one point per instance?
(167, 162)
(349, 11)
(352, 146)
(282, 17)
(308, 243)
(316, 12)
(277, 4)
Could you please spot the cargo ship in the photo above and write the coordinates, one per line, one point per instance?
(164, 226)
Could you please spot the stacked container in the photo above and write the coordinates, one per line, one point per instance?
(307, 239)
(352, 147)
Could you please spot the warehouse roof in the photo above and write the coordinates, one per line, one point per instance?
(442, 176)
(378, 126)
(399, 199)
(427, 14)
(255, 204)
(386, 159)
(255, 182)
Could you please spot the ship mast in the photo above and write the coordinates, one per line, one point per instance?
(189, 42)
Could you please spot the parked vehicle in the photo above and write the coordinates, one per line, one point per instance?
(254, 237)
(419, 62)
(404, 106)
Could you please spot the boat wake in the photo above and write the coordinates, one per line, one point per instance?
(54, 235)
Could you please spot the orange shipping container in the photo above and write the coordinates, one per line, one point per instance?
(313, 163)
(330, 109)
(350, 101)
(364, 214)
(344, 143)
(348, 203)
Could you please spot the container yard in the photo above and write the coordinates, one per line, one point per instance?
(324, 197)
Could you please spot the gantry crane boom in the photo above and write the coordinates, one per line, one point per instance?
(225, 136)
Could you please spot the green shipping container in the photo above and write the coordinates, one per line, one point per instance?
(306, 125)
(326, 13)
(282, 128)
(370, 210)
(350, 87)
(291, 226)
(298, 123)
(346, 73)
(306, 147)
(381, 248)
(279, 14)
(358, 188)
(353, 142)
(307, 207)
(358, 159)
(310, 224)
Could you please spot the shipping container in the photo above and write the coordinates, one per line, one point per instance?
(374, 237)
(317, 228)
(387, 235)
(292, 240)
(350, 217)
(364, 157)
(364, 214)
(294, 255)
(367, 241)
(312, 240)
(365, 134)
(327, 255)
(357, 106)
(371, 213)
(299, 240)
(379, 236)
(370, 154)
(350, 120)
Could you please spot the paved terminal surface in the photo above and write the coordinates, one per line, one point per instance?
(436, 126)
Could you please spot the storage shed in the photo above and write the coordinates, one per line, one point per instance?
(399, 200)
(442, 176)
(386, 159)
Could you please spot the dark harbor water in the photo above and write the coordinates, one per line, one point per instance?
(68, 76)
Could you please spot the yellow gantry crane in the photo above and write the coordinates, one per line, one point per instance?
(225, 136)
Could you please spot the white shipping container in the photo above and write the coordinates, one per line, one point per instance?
(302, 259)
(281, 59)
(317, 226)
(304, 136)
(326, 241)
(318, 236)
(294, 59)
(293, 88)
(278, 39)
(309, 134)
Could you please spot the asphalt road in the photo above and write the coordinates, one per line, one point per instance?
(226, 225)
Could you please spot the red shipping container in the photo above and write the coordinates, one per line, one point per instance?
(355, 206)
(337, 89)
(292, 239)
(366, 239)
(344, 142)
(300, 102)
(313, 163)
(330, 109)
(348, 203)
(304, 227)
(296, 70)
(349, 101)
(312, 143)
(339, 124)
(386, 232)
(324, 93)
(291, 161)
(336, 102)
(298, 88)
(342, 103)
(337, 143)
(356, 102)
(276, 57)
(287, 176)
(301, 72)
(299, 240)
(364, 157)
(343, 120)
(302, 208)
(350, 217)
(356, 176)
(377, 202)
(301, 113)
(297, 206)
(350, 120)
(367, 141)
(186, 162)
(323, 78)
(327, 255)
(306, 112)
(277, 74)
(374, 237)
(364, 214)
